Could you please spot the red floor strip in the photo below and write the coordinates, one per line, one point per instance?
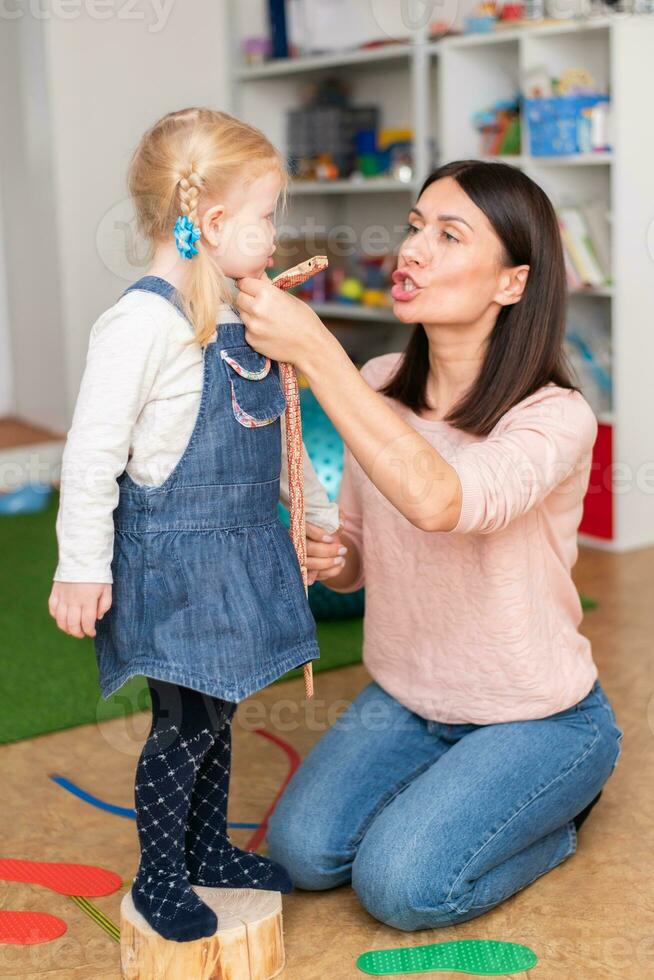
(294, 761)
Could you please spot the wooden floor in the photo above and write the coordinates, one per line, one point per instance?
(590, 918)
(15, 432)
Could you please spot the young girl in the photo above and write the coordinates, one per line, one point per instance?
(169, 492)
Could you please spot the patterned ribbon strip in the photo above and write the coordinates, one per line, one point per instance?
(287, 280)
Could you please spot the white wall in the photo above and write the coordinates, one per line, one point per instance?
(28, 230)
(109, 80)
(90, 88)
(6, 388)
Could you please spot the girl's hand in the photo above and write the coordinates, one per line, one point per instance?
(278, 324)
(324, 560)
(76, 606)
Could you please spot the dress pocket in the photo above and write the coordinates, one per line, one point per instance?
(126, 616)
(174, 582)
(256, 391)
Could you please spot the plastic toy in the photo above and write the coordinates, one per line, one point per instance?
(29, 928)
(486, 957)
(64, 878)
(28, 499)
(351, 290)
(374, 297)
(482, 20)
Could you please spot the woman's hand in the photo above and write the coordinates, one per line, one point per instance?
(324, 558)
(277, 324)
(76, 605)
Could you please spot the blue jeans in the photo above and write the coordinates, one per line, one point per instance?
(435, 824)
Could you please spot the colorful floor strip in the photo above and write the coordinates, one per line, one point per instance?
(119, 811)
(97, 915)
(294, 762)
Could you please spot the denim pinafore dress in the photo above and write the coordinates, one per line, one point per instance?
(207, 588)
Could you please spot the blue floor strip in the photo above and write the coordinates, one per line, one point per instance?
(121, 811)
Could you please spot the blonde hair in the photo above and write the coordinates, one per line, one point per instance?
(185, 159)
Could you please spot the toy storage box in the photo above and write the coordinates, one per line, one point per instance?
(553, 124)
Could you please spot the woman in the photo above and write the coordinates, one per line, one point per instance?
(464, 770)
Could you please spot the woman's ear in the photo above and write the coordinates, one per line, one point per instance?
(512, 285)
(210, 224)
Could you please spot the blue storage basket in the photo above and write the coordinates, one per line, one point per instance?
(553, 123)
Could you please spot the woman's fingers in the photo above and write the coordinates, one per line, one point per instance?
(249, 293)
(321, 544)
(324, 554)
(245, 303)
(322, 563)
(325, 558)
(317, 533)
(320, 550)
(250, 286)
(329, 573)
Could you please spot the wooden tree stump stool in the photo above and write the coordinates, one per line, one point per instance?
(249, 943)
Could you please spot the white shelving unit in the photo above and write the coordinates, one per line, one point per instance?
(435, 87)
(348, 59)
(370, 185)
(344, 311)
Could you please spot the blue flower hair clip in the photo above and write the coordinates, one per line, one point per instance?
(186, 235)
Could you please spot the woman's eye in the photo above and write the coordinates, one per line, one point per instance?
(450, 238)
(411, 229)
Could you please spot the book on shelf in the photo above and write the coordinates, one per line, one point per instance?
(596, 215)
(587, 252)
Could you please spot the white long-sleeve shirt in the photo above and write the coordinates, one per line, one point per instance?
(137, 405)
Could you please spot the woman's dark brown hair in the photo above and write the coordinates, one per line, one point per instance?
(525, 347)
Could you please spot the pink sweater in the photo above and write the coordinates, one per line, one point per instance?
(480, 624)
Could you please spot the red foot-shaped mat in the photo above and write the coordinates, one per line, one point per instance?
(66, 879)
(30, 928)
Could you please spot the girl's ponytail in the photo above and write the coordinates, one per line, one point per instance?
(205, 287)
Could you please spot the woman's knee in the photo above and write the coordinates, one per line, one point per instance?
(298, 842)
(389, 888)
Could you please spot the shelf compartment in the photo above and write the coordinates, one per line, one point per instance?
(368, 58)
(508, 35)
(576, 160)
(370, 185)
(599, 159)
(342, 311)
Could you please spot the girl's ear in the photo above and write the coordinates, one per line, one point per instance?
(512, 285)
(210, 224)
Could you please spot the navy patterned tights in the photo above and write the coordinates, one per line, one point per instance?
(181, 790)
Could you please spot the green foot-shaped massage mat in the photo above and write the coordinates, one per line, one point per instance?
(482, 956)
